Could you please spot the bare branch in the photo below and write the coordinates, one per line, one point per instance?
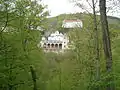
(89, 4)
(96, 2)
(82, 7)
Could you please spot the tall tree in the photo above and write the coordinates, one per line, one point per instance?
(96, 44)
(18, 15)
(106, 42)
(92, 4)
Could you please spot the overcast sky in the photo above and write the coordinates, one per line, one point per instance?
(57, 7)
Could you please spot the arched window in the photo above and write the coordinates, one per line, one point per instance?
(60, 46)
(52, 45)
(56, 46)
(48, 45)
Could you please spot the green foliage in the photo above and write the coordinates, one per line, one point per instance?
(78, 70)
(73, 70)
(18, 43)
(55, 23)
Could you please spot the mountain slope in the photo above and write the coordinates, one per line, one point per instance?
(55, 23)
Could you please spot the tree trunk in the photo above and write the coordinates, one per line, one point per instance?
(33, 73)
(96, 45)
(106, 43)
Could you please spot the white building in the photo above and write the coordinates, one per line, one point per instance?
(72, 23)
(55, 42)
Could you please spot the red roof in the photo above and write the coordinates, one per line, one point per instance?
(72, 20)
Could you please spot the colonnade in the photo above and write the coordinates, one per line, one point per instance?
(53, 46)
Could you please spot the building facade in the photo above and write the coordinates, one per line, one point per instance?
(55, 42)
(72, 23)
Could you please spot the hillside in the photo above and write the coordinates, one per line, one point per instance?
(75, 69)
(55, 23)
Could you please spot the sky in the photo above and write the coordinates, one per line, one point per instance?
(57, 7)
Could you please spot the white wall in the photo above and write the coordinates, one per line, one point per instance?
(72, 24)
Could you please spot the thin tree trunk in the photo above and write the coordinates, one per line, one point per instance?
(60, 86)
(106, 43)
(96, 45)
(33, 73)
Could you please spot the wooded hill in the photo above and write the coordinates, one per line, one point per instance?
(55, 23)
(73, 70)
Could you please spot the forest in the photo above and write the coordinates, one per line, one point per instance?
(92, 65)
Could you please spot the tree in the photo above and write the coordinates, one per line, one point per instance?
(106, 43)
(92, 4)
(18, 43)
(97, 51)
